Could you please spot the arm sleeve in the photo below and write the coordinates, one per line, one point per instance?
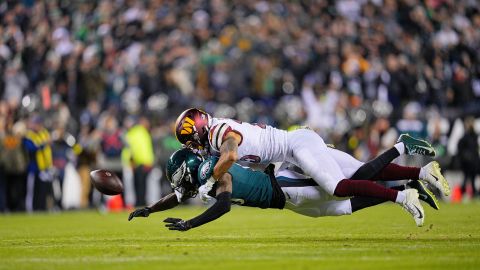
(221, 207)
(167, 202)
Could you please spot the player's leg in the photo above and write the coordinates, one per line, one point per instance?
(347, 163)
(312, 201)
(431, 173)
(424, 194)
(303, 197)
(380, 168)
(286, 177)
(309, 153)
(312, 155)
(376, 165)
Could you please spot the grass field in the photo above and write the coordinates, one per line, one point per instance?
(384, 237)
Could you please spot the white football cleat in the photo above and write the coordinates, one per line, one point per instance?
(412, 205)
(434, 177)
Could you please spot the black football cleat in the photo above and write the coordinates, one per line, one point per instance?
(424, 193)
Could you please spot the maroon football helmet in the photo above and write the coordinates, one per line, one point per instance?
(191, 128)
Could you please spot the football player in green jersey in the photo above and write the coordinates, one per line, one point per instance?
(288, 189)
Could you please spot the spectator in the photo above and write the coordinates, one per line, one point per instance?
(39, 180)
(14, 162)
(140, 149)
(356, 65)
(63, 145)
(89, 140)
(468, 153)
(111, 145)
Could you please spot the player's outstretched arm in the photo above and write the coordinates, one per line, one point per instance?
(163, 204)
(221, 207)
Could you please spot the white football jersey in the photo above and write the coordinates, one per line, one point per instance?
(261, 144)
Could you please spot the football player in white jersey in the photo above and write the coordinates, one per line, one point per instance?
(331, 169)
(186, 171)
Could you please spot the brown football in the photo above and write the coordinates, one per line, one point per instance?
(106, 182)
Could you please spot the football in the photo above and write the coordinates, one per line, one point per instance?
(106, 182)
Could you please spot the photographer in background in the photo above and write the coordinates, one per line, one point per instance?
(469, 156)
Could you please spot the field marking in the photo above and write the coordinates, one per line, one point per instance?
(181, 257)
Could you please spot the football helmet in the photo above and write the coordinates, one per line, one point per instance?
(182, 172)
(191, 128)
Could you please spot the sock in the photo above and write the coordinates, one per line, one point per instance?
(401, 196)
(374, 166)
(400, 148)
(422, 174)
(394, 172)
(366, 188)
(359, 203)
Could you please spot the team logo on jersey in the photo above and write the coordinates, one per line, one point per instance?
(205, 169)
(188, 126)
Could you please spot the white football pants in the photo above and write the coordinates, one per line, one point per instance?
(313, 201)
(327, 166)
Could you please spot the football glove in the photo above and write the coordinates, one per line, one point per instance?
(143, 212)
(177, 224)
(204, 189)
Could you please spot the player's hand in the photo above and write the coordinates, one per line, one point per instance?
(177, 224)
(203, 190)
(143, 212)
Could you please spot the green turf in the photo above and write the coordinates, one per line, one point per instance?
(384, 237)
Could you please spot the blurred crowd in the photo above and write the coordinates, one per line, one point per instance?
(98, 84)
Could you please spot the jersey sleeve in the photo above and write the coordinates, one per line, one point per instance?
(217, 134)
(205, 170)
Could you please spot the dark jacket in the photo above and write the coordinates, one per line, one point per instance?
(468, 150)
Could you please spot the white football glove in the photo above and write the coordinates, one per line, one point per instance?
(204, 189)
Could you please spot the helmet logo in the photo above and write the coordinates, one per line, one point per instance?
(178, 175)
(188, 126)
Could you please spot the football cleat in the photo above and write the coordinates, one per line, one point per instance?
(414, 146)
(424, 193)
(434, 177)
(412, 205)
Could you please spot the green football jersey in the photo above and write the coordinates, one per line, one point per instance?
(249, 187)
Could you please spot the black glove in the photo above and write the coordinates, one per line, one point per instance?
(177, 224)
(143, 212)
